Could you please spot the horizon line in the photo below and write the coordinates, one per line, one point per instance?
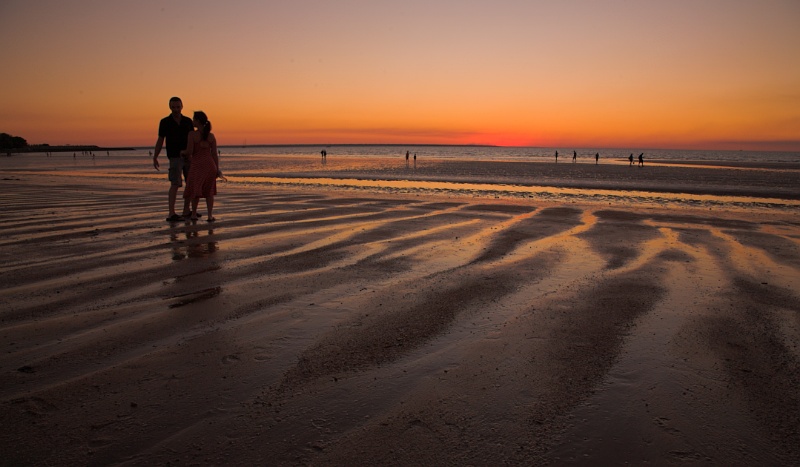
(324, 145)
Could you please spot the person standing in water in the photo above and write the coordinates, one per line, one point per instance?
(641, 160)
(596, 158)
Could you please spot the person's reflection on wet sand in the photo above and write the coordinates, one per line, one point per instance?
(194, 245)
(178, 247)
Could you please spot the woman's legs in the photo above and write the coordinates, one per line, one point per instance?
(210, 207)
(195, 202)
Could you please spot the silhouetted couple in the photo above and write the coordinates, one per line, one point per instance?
(187, 147)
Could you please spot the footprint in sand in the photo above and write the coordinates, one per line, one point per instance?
(230, 359)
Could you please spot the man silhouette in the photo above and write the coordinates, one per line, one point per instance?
(175, 129)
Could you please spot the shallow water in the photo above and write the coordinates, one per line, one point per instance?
(692, 178)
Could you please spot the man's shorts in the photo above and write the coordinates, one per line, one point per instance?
(186, 164)
(176, 171)
(178, 166)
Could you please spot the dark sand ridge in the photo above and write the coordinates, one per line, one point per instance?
(319, 326)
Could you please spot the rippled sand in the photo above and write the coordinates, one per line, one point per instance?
(313, 325)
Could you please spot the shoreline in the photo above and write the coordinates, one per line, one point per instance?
(720, 182)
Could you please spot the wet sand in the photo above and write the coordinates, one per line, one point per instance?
(763, 180)
(314, 325)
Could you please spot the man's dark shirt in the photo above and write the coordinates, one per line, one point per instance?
(176, 134)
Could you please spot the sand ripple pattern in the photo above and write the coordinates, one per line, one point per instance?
(308, 327)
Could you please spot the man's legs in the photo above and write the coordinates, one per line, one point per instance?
(175, 168)
(173, 196)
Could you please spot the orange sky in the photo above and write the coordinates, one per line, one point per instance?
(655, 74)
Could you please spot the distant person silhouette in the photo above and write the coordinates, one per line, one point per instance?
(641, 160)
(574, 157)
(597, 158)
(556, 157)
(630, 159)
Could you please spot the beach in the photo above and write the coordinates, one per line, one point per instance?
(369, 313)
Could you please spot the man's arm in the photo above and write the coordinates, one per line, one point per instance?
(157, 150)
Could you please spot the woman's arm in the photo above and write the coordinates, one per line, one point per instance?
(212, 140)
(189, 145)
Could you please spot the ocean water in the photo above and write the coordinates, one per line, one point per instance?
(461, 153)
(491, 153)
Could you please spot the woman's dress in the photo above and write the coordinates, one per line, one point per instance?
(202, 179)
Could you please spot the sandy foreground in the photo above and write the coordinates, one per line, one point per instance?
(314, 326)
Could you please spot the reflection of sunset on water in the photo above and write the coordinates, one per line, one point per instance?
(503, 190)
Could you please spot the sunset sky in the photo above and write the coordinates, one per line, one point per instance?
(705, 74)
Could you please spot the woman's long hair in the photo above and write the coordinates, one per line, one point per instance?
(205, 124)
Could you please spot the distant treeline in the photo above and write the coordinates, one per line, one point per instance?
(12, 142)
(9, 144)
(68, 148)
